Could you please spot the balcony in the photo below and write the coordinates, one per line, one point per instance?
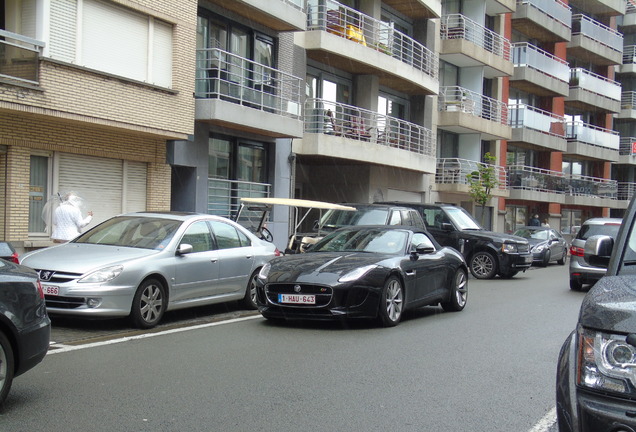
(19, 58)
(464, 111)
(600, 7)
(592, 141)
(241, 94)
(347, 39)
(626, 190)
(594, 42)
(628, 105)
(496, 7)
(451, 176)
(278, 15)
(629, 60)
(539, 72)
(537, 184)
(349, 132)
(627, 151)
(543, 20)
(417, 9)
(594, 93)
(537, 129)
(627, 23)
(466, 43)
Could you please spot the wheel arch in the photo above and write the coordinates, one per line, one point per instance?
(163, 281)
(8, 330)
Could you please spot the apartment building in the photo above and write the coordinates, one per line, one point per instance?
(90, 93)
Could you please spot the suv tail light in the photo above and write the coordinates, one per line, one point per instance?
(577, 251)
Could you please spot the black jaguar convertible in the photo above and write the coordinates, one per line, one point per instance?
(364, 272)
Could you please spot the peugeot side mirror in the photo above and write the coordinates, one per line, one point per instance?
(184, 249)
(598, 250)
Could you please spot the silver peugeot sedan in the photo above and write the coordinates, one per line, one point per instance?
(143, 264)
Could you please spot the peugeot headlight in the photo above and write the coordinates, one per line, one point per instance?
(357, 273)
(509, 248)
(264, 271)
(102, 275)
(606, 362)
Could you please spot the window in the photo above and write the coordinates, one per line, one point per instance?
(198, 236)
(226, 235)
(112, 39)
(515, 218)
(38, 192)
(420, 239)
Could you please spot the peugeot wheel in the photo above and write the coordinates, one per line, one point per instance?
(458, 292)
(249, 301)
(391, 302)
(483, 265)
(149, 304)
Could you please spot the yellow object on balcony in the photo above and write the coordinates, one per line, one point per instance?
(355, 34)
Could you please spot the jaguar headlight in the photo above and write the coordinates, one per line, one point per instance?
(606, 362)
(102, 275)
(264, 271)
(357, 273)
(509, 248)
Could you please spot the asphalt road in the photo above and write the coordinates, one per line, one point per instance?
(488, 368)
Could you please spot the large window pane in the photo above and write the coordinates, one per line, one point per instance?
(38, 187)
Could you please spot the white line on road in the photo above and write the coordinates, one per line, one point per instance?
(67, 348)
(546, 422)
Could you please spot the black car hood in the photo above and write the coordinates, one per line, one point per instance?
(610, 305)
(494, 236)
(320, 267)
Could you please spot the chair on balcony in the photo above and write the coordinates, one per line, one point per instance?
(331, 127)
(356, 129)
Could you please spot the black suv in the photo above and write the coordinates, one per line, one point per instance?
(487, 253)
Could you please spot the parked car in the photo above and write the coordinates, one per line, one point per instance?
(582, 272)
(546, 244)
(25, 327)
(371, 272)
(364, 214)
(8, 252)
(487, 253)
(142, 264)
(596, 373)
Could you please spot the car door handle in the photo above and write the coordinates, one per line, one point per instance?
(248, 256)
(410, 273)
(213, 260)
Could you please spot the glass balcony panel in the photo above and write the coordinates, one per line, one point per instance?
(457, 26)
(346, 22)
(525, 54)
(593, 135)
(583, 78)
(337, 119)
(597, 31)
(553, 8)
(19, 57)
(526, 116)
(523, 177)
(223, 75)
(456, 171)
(455, 98)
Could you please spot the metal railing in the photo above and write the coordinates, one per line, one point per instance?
(626, 190)
(227, 76)
(594, 83)
(455, 98)
(528, 55)
(457, 26)
(592, 135)
(627, 146)
(629, 54)
(631, 7)
(224, 196)
(523, 177)
(331, 118)
(19, 57)
(456, 171)
(628, 100)
(582, 24)
(529, 117)
(555, 9)
(346, 22)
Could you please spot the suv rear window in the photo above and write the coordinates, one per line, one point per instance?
(589, 230)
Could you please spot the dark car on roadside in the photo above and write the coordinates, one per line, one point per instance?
(25, 327)
(596, 372)
(487, 253)
(546, 244)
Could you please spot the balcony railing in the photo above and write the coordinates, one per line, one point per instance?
(348, 121)
(526, 116)
(597, 31)
(346, 22)
(227, 76)
(19, 57)
(627, 146)
(629, 54)
(456, 171)
(594, 83)
(628, 100)
(592, 135)
(555, 9)
(626, 190)
(224, 196)
(457, 26)
(523, 177)
(455, 98)
(527, 55)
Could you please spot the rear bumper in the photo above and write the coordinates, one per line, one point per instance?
(33, 344)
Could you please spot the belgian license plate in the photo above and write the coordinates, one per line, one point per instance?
(51, 290)
(529, 258)
(296, 299)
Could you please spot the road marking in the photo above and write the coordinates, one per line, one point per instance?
(57, 349)
(546, 422)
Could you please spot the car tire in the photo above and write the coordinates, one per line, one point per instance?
(149, 304)
(249, 301)
(508, 275)
(561, 261)
(7, 367)
(546, 258)
(391, 302)
(458, 292)
(575, 285)
(483, 265)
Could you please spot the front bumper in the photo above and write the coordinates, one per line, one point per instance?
(113, 301)
(515, 262)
